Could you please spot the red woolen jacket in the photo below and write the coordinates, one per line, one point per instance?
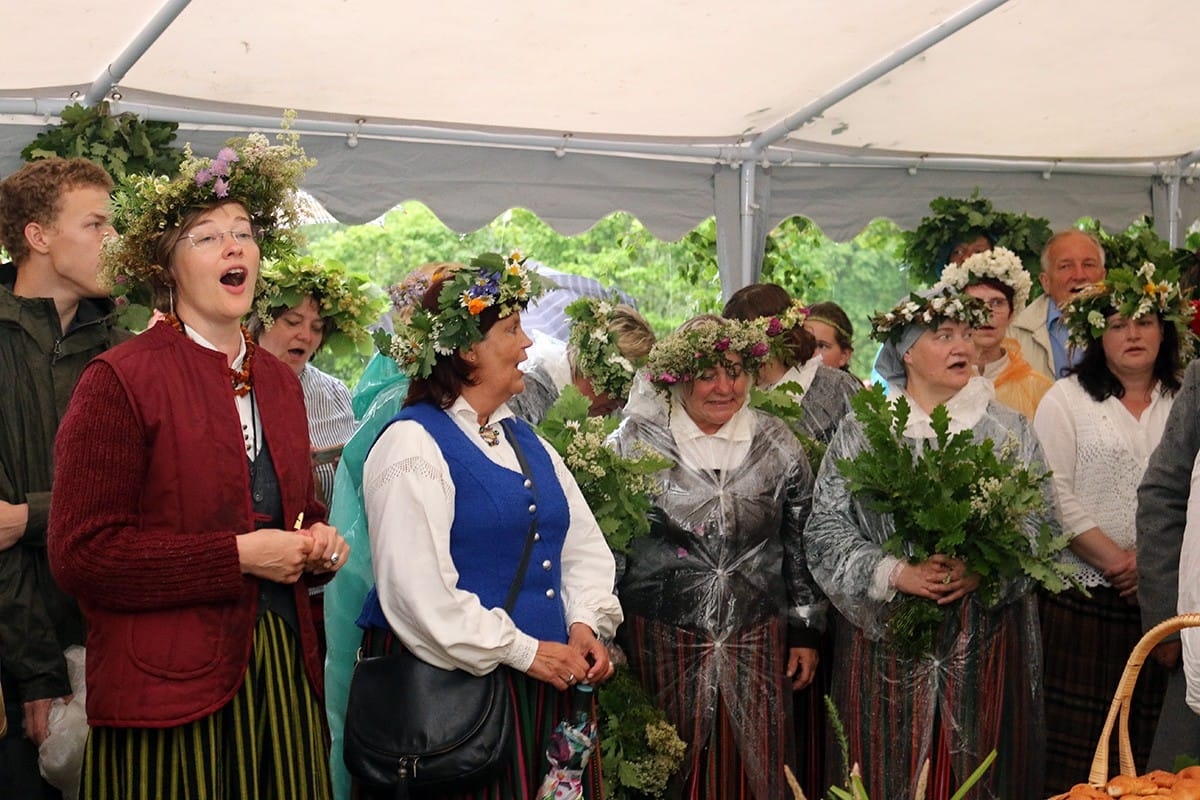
(151, 486)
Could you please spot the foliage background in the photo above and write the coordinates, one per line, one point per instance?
(671, 281)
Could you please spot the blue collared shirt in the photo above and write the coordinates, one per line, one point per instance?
(1064, 355)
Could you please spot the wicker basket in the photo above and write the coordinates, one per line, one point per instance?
(1120, 704)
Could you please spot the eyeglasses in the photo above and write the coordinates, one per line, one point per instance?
(996, 303)
(214, 239)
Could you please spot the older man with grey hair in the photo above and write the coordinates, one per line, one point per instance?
(1071, 260)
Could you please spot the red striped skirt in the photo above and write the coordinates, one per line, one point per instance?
(730, 700)
(979, 692)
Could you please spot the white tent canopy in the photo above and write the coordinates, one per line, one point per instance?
(840, 110)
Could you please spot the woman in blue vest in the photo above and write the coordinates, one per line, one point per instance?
(449, 511)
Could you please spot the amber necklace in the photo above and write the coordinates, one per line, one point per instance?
(240, 378)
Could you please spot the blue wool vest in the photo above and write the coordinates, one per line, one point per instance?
(493, 508)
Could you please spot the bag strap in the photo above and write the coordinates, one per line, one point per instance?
(523, 566)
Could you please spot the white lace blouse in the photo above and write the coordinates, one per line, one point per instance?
(1098, 453)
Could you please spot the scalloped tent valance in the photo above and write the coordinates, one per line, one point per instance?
(674, 111)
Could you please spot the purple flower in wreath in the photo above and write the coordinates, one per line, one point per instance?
(203, 176)
(227, 156)
(221, 187)
(722, 345)
(759, 349)
(486, 285)
(774, 327)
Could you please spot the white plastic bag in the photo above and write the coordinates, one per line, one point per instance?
(60, 757)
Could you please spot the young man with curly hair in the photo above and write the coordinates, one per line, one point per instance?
(54, 317)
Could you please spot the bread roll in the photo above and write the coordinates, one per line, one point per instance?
(1162, 778)
(1185, 789)
(1131, 786)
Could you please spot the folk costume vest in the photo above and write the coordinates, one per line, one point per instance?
(493, 507)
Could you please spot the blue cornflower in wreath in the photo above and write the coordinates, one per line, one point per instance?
(420, 334)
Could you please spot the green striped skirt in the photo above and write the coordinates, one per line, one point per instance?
(268, 742)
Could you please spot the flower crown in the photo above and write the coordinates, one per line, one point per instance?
(348, 301)
(489, 280)
(999, 264)
(929, 312)
(251, 171)
(1132, 295)
(597, 352)
(774, 328)
(706, 343)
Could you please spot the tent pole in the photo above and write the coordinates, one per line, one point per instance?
(1173, 212)
(147, 36)
(835, 95)
(872, 73)
(747, 238)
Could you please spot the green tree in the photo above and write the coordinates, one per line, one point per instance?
(671, 281)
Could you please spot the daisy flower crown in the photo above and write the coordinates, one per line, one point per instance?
(1132, 295)
(999, 264)
(490, 280)
(249, 170)
(597, 352)
(686, 353)
(929, 312)
(347, 300)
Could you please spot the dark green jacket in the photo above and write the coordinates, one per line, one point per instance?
(38, 370)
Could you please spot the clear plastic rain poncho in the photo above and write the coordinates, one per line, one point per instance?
(981, 687)
(710, 593)
(378, 396)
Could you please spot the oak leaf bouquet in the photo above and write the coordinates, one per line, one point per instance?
(952, 495)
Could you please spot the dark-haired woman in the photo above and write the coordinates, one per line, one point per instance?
(825, 393)
(1098, 427)
(449, 512)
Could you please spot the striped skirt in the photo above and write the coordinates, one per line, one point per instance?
(267, 743)
(980, 692)
(730, 700)
(1087, 642)
(539, 707)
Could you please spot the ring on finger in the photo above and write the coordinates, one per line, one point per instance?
(333, 559)
(571, 678)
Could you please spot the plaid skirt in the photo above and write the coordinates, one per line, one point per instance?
(1086, 643)
(268, 743)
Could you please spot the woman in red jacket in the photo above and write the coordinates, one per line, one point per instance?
(187, 526)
